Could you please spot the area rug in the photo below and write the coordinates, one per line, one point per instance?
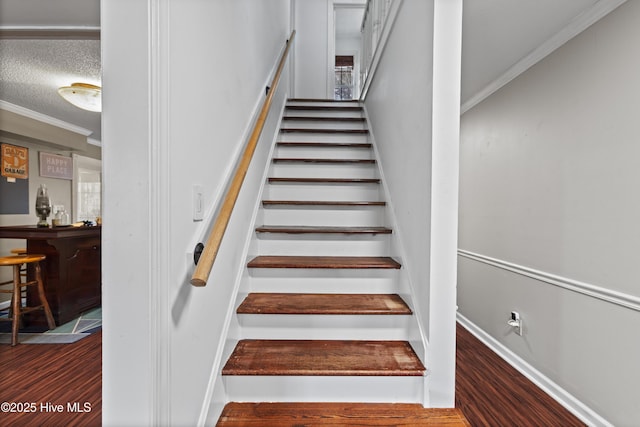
(75, 330)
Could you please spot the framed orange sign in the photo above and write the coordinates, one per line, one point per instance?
(15, 161)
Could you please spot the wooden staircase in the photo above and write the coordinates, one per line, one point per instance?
(324, 321)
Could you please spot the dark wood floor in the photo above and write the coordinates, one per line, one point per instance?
(36, 379)
(488, 391)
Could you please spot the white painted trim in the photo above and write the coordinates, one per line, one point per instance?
(4, 105)
(55, 28)
(49, 33)
(570, 402)
(331, 49)
(443, 215)
(159, 221)
(382, 43)
(575, 27)
(624, 300)
(93, 141)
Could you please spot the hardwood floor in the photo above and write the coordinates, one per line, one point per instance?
(488, 391)
(49, 384)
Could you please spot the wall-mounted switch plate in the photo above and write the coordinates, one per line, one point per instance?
(198, 203)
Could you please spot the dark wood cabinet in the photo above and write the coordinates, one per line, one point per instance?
(72, 270)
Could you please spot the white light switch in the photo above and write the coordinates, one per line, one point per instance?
(198, 203)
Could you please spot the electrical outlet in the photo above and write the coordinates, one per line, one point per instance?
(516, 322)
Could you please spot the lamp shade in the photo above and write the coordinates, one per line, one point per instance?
(83, 95)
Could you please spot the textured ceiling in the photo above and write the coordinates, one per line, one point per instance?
(33, 70)
(496, 35)
(45, 44)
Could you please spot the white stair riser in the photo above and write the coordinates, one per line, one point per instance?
(323, 170)
(322, 137)
(327, 152)
(322, 124)
(351, 216)
(291, 245)
(356, 192)
(242, 388)
(325, 327)
(322, 281)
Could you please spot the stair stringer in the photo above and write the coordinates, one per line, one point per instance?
(418, 340)
(216, 396)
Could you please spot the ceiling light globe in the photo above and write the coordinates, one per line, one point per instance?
(83, 95)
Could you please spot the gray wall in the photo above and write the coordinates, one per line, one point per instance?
(59, 192)
(549, 211)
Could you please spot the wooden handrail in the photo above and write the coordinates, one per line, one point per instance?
(210, 251)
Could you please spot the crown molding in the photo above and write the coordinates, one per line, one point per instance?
(4, 105)
(575, 27)
(49, 32)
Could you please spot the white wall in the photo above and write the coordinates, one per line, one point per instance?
(401, 103)
(311, 53)
(183, 80)
(549, 182)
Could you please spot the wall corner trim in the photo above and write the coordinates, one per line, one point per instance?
(572, 404)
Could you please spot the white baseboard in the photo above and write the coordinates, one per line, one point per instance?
(570, 402)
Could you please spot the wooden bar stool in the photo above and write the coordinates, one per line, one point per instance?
(20, 251)
(17, 310)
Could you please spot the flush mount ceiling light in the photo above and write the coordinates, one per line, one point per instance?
(83, 95)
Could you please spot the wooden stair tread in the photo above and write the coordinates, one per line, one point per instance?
(324, 119)
(310, 414)
(304, 229)
(323, 262)
(311, 130)
(335, 101)
(323, 203)
(328, 161)
(323, 358)
(295, 303)
(323, 108)
(275, 180)
(325, 144)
